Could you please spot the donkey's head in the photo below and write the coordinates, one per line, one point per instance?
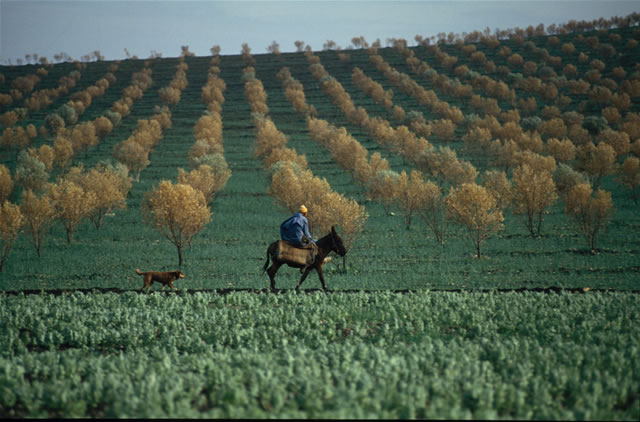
(336, 243)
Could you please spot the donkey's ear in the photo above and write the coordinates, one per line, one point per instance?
(333, 230)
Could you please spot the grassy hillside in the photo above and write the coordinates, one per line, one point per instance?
(230, 251)
(540, 327)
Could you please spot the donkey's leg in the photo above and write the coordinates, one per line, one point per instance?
(321, 276)
(275, 266)
(304, 275)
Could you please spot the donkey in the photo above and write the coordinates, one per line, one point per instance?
(329, 243)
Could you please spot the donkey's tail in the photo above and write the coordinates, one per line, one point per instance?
(266, 264)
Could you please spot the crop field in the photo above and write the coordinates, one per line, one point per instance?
(538, 327)
(343, 355)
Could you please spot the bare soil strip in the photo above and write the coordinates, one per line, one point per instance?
(95, 290)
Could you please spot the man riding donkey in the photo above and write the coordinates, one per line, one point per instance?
(299, 249)
(295, 231)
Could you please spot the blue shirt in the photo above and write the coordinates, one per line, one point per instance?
(294, 227)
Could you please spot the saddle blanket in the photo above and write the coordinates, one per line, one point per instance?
(296, 255)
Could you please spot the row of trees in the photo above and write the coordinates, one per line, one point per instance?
(449, 117)
(469, 204)
(37, 100)
(134, 151)
(171, 93)
(58, 57)
(441, 163)
(45, 97)
(522, 37)
(210, 171)
(21, 85)
(35, 165)
(75, 196)
(140, 82)
(79, 194)
(613, 105)
(531, 202)
(294, 92)
(33, 169)
(521, 34)
(542, 82)
(81, 100)
(63, 124)
(412, 193)
(566, 137)
(69, 137)
(292, 183)
(180, 211)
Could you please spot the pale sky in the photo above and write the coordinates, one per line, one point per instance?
(79, 27)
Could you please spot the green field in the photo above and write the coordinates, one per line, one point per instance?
(344, 355)
(539, 328)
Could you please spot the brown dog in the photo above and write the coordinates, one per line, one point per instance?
(165, 277)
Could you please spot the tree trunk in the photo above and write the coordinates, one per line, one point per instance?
(179, 255)
(36, 241)
(5, 253)
(540, 223)
(97, 221)
(407, 220)
(39, 243)
(530, 218)
(439, 237)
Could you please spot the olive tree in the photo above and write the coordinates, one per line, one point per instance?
(6, 183)
(111, 184)
(533, 193)
(472, 206)
(39, 213)
(72, 203)
(177, 211)
(11, 222)
(590, 213)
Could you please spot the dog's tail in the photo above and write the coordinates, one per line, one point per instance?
(139, 272)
